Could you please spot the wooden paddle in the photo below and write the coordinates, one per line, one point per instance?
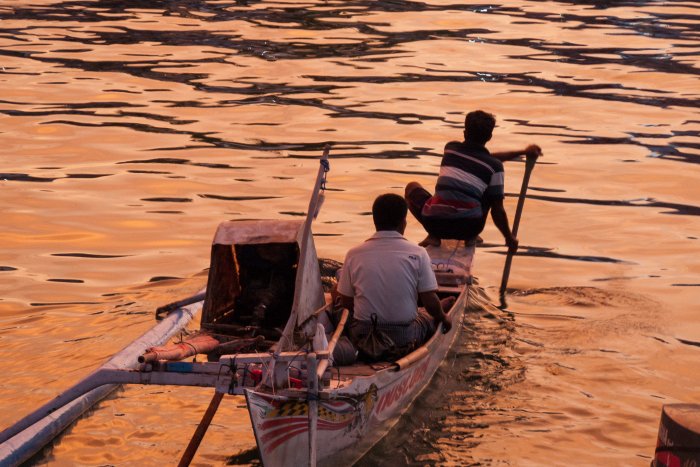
(529, 165)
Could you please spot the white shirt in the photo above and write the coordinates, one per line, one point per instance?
(384, 275)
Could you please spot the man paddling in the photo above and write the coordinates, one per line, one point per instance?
(385, 275)
(470, 184)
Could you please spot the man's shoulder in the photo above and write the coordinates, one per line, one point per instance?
(480, 153)
(356, 249)
(413, 249)
(454, 146)
(369, 245)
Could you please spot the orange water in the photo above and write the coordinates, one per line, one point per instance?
(130, 129)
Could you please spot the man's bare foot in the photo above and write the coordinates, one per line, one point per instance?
(430, 241)
(447, 303)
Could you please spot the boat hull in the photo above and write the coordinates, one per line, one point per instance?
(352, 419)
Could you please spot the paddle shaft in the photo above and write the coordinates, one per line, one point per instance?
(529, 165)
(196, 440)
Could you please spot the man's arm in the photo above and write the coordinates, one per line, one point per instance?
(500, 218)
(532, 151)
(347, 302)
(432, 305)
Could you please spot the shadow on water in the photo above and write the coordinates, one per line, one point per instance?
(671, 208)
(541, 252)
(19, 177)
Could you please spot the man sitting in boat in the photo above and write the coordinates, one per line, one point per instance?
(385, 275)
(470, 184)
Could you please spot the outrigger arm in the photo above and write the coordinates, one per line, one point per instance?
(228, 376)
(30, 434)
(225, 376)
(232, 374)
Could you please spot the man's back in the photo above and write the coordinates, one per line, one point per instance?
(385, 274)
(468, 175)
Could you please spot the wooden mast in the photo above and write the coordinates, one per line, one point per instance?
(287, 339)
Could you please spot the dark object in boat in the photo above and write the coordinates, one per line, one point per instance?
(376, 345)
(258, 290)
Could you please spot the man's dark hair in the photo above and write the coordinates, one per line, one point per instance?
(389, 211)
(478, 127)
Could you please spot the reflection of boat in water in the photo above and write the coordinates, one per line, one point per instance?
(263, 306)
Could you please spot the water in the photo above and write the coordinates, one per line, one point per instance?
(130, 129)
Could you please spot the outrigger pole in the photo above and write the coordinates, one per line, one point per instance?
(29, 435)
(529, 165)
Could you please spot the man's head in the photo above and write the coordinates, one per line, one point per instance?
(478, 127)
(389, 212)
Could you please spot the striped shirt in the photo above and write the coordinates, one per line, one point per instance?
(469, 175)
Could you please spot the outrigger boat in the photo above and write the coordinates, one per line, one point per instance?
(262, 308)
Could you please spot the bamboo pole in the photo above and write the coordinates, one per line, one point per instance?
(312, 385)
(529, 165)
(28, 435)
(196, 440)
(165, 309)
(334, 340)
(314, 205)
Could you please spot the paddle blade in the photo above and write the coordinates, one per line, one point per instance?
(504, 303)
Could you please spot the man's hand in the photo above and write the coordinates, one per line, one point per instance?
(533, 151)
(446, 324)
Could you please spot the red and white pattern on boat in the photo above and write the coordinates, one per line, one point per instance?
(284, 419)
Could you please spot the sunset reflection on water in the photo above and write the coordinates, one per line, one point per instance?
(130, 130)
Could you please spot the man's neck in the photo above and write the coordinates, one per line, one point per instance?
(471, 143)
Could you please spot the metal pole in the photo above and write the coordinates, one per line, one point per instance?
(165, 309)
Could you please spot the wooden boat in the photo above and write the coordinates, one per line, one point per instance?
(263, 306)
(356, 405)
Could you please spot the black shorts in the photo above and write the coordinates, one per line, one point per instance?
(458, 229)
